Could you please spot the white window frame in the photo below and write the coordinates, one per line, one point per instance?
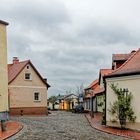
(39, 97)
(29, 74)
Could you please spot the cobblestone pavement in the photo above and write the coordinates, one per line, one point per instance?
(59, 126)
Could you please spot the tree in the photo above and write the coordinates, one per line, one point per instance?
(52, 99)
(121, 108)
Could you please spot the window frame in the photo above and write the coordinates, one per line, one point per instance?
(30, 77)
(38, 96)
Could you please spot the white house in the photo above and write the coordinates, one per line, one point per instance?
(127, 76)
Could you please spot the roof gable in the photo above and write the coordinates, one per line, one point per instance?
(15, 69)
(92, 84)
(69, 95)
(104, 72)
(131, 66)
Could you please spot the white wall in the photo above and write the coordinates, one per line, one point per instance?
(133, 85)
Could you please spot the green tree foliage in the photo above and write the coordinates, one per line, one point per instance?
(52, 99)
(121, 108)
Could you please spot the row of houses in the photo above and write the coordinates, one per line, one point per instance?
(125, 73)
(23, 90)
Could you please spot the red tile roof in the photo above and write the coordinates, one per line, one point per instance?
(15, 69)
(105, 72)
(122, 57)
(131, 66)
(118, 57)
(95, 87)
(98, 90)
(92, 84)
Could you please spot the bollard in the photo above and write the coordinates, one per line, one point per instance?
(3, 125)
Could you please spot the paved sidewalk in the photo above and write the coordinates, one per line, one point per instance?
(96, 123)
(12, 128)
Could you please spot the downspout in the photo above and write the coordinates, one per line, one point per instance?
(105, 98)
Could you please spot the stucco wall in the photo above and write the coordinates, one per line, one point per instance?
(22, 91)
(3, 70)
(132, 83)
(20, 79)
(100, 103)
(101, 82)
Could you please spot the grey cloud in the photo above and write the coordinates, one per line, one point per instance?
(66, 51)
(37, 12)
(108, 33)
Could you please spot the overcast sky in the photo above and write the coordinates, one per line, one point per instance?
(68, 41)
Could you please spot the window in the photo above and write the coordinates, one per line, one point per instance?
(36, 96)
(27, 67)
(28, 76)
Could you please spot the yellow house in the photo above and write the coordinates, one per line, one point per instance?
(127, 76)
(27, 89)
(3, 72)
(68, 102)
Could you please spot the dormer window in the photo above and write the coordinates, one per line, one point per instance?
(27, 76)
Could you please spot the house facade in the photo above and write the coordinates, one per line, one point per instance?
(94, 100)
(4, 107)
(127, 77)
(89, 100)
(68, 102)
(27, 89)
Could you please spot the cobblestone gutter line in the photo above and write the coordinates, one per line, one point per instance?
(95, 126)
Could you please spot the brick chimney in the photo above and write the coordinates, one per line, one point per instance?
(15, 60)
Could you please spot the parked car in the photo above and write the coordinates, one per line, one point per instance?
(78, 109)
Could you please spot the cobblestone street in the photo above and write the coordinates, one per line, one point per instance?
(59, 126)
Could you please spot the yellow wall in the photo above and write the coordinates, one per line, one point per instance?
(100, 103)
(22, 91)
(133, 85)
(3, 70)
(64, 105)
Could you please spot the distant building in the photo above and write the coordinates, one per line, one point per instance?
(4, 108)
(68, 102)
(27, 89)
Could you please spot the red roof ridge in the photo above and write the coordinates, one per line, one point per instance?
(125, 62)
